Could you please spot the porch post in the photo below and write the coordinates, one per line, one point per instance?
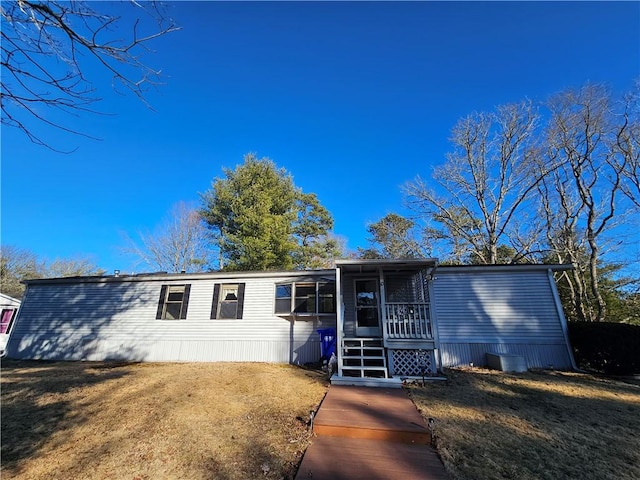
(339, 319)
(383, 307)
(433, 317)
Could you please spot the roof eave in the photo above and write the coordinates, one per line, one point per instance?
(556, 267)
(172, 277)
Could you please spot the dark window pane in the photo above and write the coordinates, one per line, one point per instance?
(327, 304)
(283, 305)
(327, 288)
(175, 296)
(305, 304)
(327, 297)
(305, 290)
(228, 309)
(305, 301)
(173, 311)
(368, 317)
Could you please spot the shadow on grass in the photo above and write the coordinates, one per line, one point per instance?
(31, 413)
(259, 462)
(545, 425)
(54, 421)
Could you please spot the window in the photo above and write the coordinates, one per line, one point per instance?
(327, 297)
(283, 298)
(228, 301)
(310, 298)
(305, 298)
(5, 320)
(173, 302)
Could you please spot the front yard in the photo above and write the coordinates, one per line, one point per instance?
(245, 420)
(545, 425)
(155, 421)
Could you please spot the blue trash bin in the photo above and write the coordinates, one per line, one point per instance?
(327, 343)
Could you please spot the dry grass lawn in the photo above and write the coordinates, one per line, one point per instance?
(155, 421)
(546, 425)
(243, 421)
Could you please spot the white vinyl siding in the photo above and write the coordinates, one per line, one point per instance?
(503, 312)
(117, 320)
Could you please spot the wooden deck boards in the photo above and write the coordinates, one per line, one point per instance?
(335, 458)
(370, 433)
(363, 412)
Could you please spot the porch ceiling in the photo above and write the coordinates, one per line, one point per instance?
(374, 265)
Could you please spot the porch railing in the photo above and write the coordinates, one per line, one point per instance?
(407, 321)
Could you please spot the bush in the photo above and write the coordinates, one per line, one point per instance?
(612, 348)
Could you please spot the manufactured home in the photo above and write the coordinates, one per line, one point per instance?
(393, 318)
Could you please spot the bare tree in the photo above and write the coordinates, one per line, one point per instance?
(584, 139)
(487, 178)
(78, 266)
(18, 264)
(628, 143)
(43, 45)
(561, 209)
(181, 243)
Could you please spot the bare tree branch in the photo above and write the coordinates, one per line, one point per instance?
(487, 178)
(584, 137)
(181, 243)
(42, 47)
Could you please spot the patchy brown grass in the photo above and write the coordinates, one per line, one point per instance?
(538, 425)
(153, 421)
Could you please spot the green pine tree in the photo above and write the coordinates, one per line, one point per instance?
(262, 221)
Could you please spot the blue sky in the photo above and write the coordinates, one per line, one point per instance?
(353, 98)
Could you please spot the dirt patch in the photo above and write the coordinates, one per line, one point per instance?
(538, 425)
(64, 420)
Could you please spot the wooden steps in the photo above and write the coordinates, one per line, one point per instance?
(370, 434)
(364, 357)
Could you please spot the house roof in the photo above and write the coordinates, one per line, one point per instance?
(505, 267)
(373, 265)
(294, 275)
(347, 265)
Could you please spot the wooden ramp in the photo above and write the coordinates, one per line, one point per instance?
(370, 433)
(375, 413)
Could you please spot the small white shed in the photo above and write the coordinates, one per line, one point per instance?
(8, 309)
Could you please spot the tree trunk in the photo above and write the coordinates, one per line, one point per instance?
(601, 306)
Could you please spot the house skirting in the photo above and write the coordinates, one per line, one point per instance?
(538, 355)
(411, 362)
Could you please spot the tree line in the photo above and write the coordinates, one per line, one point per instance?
(18, 264)
(526, 183)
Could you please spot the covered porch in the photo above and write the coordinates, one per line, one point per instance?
(385, 327)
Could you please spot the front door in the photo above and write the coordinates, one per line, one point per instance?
(367, 308)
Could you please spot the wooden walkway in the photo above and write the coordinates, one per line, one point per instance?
(370, 433)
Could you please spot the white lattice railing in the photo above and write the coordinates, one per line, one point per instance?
(407, 321)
